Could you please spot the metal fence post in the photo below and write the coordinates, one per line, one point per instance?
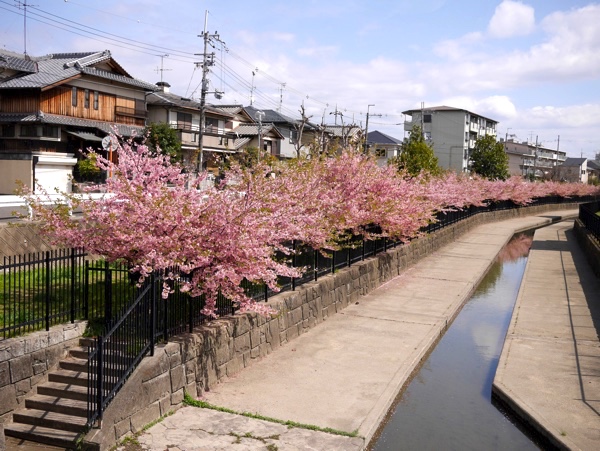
(316, 263)
(152, 314)
(72, 285)
(47, 264)
(100, 378)
(293, 264)
(107, 293)
(86, 288)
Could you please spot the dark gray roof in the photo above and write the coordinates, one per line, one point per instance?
(377, 137)
(170, 99)
(52, 69)
(593, 165)
(339, 130)
(55, 119)
(15, 62)
(270, 116)
(574, 161)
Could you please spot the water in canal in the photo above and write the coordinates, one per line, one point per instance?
(447, 406)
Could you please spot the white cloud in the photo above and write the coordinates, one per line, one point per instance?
(318, 51)
(511, 18)
(496, 107)
(455, 49)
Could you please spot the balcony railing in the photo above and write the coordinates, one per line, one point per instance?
(130, 112)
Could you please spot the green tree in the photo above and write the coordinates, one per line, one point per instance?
(416, 155)
(161, 135)
(489, 159)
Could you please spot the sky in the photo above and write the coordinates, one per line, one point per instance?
(533, 66)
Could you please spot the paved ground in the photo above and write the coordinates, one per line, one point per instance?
(550, 365)
(345, 373)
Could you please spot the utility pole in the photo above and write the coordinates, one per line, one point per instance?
(259, 116)
(535, 156)
(367, 127)
(208, 60)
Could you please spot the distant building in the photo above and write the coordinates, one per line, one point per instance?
(525, 159)
(573, 170)
(383, 146)
(452, 131)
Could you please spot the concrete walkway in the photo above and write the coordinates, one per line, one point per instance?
(345, 373)
(549, 370)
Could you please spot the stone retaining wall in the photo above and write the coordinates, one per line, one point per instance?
(25, 362)
(198, 361)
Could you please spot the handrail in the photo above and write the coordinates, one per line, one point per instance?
(590, 219)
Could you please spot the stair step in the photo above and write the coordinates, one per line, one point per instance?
(41, 434)
(59, 405)
(52, 420)
(87, 342)
(79, 353)
(74, 364)
(69, 377)
(67, 391)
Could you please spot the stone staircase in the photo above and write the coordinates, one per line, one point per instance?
(57, 414)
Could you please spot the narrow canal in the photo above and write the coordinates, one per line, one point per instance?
(447, 405)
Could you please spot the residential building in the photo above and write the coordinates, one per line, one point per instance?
(383, 146)
(184, 115)
(53, 106)
(593, 169)
(573, 170)
(452, 133)
(526, 159)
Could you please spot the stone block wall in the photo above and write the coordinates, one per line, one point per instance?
(196, 362)
(25, 362)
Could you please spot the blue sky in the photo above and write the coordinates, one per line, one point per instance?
(534, 66)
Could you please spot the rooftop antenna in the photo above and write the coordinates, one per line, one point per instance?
(162, 69)
(252, 86)
(281, 88)
(23, 4)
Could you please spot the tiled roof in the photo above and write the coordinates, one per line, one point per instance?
(252, 130)
(574, 161)
(14, 62)
(270, 115)
(167, 98)
(53, 69)
(55, 119)
(377, 137)
(229, 109)
(336, 130)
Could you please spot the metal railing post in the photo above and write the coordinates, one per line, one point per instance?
(86, 288)
(100, 379)
(72, 285)
(107, 293)
(47, 264)
(152, 314)
(293, 264)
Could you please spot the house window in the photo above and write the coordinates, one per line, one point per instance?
(211, 125)
(74, 96)
(86, 103)
(223, 141)
(184, 121)
(96, 99)
(293, 136)
(29, 131)
(380, 153)
(49, 131)
(7, 130)
(427, 118)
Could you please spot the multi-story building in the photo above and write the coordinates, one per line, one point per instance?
(452, 132)
(528, 160)
(54, 105)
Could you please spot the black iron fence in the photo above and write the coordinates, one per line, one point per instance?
(41, 289)
(589, 216)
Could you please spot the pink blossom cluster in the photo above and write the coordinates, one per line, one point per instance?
(156, 218)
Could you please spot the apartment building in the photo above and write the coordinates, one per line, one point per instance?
(452, 132)
(528, 160)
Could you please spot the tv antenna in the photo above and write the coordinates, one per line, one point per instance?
(162, 69)
(23, 4)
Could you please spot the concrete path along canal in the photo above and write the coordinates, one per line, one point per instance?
(345, 373)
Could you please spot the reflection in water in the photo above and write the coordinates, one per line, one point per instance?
(448, 406)
(516, 248)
